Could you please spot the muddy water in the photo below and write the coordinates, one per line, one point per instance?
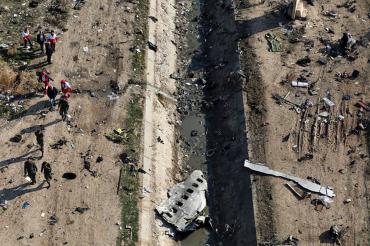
(213, 124)
(190, 99)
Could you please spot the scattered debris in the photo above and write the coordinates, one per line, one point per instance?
(53, 220)
(327, 191)
(185, 203)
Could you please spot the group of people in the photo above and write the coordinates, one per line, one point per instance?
(30, 167)
(52, 92)
(47, 42)
(30, 170)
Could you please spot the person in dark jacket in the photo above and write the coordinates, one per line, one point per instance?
(46, 169)
(49, 52)
(52, 93)
(40, 140)
(63, 107)
(30, 170)
(41, 39)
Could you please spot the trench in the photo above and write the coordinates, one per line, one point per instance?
(212, 132)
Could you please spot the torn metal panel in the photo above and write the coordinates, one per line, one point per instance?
(308, 185)
(185, 203)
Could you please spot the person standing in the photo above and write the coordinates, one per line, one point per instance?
(46, 169)
(52, 39)
(41, 40)
(44, 77)
(66, 88)
(40, 140)
(63, 107)
(27, 38)
(49, 52)
(30, 170)
(52, 93)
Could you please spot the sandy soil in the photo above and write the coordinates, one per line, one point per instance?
(280, 214)
(104, 27)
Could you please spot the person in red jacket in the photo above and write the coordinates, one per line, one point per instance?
(44, 77)
(52, 39)
(27, 38)
(66, 88)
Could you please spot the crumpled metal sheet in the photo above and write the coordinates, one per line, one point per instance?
(185, 203)
(306, 184)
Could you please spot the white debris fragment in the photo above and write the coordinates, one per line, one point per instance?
(306, 184)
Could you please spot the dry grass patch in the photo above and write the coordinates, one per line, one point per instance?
(7, 77)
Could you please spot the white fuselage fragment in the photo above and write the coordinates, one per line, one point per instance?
(306, 184)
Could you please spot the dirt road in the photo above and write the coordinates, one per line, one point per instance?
(104, 27)
(159, 153)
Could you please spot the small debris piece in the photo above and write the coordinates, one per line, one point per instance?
(274, 43)
(152, 46)
(81, 210)
(304, 62)
(59, 144)
(16, 139)
(53, 220)
(99, 159)
(347, 200)
(328, 102)
(26, 205)
(299, 84)
(301, 194)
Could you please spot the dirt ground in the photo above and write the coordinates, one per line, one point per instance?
(340, 155)
(105, 28)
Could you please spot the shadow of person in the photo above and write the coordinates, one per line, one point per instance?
(38, 127)
(34, 109)
(20, 190)
(16, 159)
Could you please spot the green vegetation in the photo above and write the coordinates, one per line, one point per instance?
(129, 181)
(140, 38)
(131, 138)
